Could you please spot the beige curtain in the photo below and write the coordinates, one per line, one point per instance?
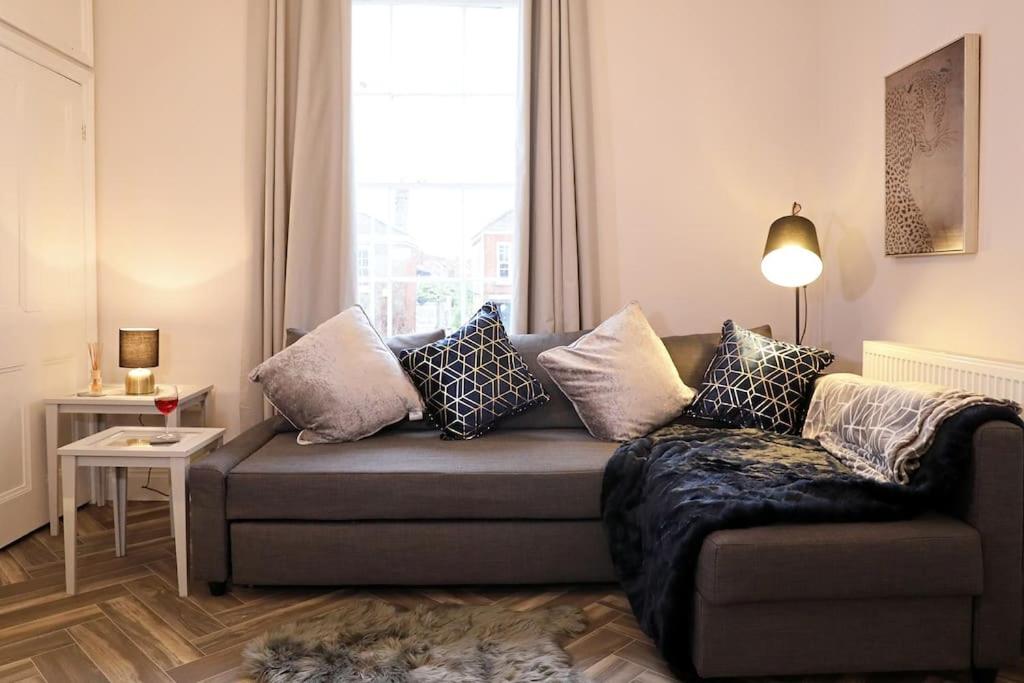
(555, 257)
(307, 250)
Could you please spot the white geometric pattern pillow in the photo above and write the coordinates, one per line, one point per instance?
(755, 381)
(473, 377)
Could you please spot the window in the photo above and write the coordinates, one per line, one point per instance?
(434, 118)
(504, 260)
(363, 262)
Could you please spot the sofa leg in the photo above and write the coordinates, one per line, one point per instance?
(984, 675)
(218, 587)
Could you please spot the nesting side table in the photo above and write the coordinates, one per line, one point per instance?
(121, 448)
(113, 402)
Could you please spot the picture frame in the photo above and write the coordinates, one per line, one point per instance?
(931, 152)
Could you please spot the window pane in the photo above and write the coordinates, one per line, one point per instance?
(427, 48)
(435, 130)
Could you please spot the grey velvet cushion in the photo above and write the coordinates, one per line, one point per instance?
(340, 382)
(397, 344)
(515, 474)
(620, 377)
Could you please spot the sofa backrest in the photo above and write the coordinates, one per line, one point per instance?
(558, 412)
(692, 353)
(397, 343)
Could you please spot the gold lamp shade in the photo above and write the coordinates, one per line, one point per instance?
(139, 349)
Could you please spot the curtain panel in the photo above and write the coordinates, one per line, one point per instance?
(305, 260)
(555, 283)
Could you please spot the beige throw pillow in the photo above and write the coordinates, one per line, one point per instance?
(619, 377)
(340, 382)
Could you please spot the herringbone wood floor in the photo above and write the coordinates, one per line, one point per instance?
(128, 624)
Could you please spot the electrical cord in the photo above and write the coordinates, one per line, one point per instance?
(803, 332)
(149, 474)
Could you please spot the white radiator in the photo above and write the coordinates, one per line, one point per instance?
(891, 362)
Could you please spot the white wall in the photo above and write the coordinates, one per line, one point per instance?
(705, 129)
(962, 303)
(172, 209)
(711, 116)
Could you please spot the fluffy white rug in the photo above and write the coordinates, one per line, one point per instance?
(372, 641)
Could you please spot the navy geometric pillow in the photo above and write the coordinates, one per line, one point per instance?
(473, 377)
(755, 381)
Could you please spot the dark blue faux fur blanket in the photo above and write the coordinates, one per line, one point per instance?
(664, 493)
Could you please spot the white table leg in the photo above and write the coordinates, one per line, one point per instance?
(68, 471)
(120, 510)
(179, 468)
(172, 421)
(52, 417)
(95, 473)
(122, 501)
(98, 423)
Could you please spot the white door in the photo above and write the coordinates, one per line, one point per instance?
(43, 287)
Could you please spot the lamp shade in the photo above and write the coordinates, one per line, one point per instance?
(139, 347)
(792, 257)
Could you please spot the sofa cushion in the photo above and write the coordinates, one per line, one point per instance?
(932, 555)
(518, 474)
(754, 381)
(340, 382)
(620, 377)
(473, 378)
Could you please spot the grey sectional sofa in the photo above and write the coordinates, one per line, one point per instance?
(522, 505)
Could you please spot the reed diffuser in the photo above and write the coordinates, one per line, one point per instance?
(96, 377)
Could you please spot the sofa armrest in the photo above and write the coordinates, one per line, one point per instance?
(995, 508)
(207, 484)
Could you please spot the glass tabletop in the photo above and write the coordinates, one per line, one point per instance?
(129, 438)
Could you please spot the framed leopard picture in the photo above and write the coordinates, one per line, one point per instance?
(931, 152)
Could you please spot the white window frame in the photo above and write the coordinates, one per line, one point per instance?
(504, 260)
(373, 280)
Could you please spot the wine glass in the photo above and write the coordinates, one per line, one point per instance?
(165, 398)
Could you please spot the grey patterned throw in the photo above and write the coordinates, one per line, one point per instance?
(880, 430)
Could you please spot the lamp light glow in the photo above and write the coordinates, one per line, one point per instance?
(791, 266)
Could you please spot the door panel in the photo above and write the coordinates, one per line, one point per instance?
(63, 24)
(15, 475)
(42, 283)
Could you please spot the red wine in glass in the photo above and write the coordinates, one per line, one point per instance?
(166, 401)
(166, 405)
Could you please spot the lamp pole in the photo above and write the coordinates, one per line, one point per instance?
(796, 290)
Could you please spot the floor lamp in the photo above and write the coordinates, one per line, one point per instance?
(792, 257)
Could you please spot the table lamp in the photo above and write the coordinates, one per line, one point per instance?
(792, 257)
(139, 350)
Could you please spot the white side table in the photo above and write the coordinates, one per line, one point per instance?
(113, 402)
(121, 448)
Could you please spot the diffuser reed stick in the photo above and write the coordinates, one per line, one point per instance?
(95, 359)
